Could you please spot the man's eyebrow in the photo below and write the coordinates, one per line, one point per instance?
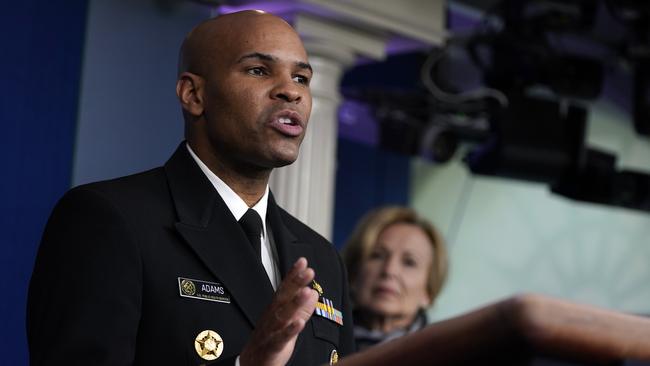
(257, 55)
(304, 66)
(271, 58)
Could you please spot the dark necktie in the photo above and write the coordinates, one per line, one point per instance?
(252, 225)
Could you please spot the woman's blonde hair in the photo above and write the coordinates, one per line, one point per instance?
(367, 232)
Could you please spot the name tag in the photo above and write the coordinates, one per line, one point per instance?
(202, 290)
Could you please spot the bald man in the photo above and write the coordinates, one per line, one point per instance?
(193, 262)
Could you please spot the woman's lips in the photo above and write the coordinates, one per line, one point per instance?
(384, 291)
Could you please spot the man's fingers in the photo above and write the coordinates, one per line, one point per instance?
(298, 277)
(292, 317)
(300, 274)
(293, 329)
(291, 286)
(298, 313)
(307, 303)
(293, 305)
(301, 306)
(305, 277)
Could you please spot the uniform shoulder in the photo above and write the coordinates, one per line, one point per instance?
(141, 193)
(138, 185)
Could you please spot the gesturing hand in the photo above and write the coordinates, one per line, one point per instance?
(275, 334)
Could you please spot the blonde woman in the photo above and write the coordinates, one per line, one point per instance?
(397, 264)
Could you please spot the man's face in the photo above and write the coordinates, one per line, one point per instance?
(257, 98)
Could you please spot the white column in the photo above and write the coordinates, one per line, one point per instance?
(334, 33)
(306, 188)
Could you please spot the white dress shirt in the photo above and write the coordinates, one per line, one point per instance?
(238, 208)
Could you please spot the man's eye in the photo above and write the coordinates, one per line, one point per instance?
(257, 71)
(300, 79)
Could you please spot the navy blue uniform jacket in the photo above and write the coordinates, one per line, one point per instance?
(105, 287)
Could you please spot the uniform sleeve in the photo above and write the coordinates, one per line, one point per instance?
(346, 338)
(86, 289)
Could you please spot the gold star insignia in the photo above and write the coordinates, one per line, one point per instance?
(209, 345)
(334, 357)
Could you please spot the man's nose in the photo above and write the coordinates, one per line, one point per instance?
(287, 91)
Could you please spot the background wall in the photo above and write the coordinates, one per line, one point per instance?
(109, 64)
(42, 46)
(508, 236)
(129, 118)
(366, 177)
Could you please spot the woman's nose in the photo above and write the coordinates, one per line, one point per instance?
(390, 266)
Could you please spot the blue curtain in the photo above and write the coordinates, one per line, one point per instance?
(41, 66)
(366, 177)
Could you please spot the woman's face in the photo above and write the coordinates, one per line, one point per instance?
(392, 280)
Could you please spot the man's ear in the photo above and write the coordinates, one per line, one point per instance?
(189, 89)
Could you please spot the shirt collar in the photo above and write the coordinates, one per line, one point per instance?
(235, 204)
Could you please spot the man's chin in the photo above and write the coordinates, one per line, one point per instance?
(284, 161)
(284, 157)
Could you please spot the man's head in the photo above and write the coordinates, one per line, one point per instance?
(243, 84)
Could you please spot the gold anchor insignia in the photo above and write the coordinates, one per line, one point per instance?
(188, 287)
(334, 357)
(208, 345)
(317, 287)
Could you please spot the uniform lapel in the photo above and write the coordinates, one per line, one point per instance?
(289, 250)
(211, 231)
(288, 246)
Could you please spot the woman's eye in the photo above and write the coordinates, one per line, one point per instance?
(409, 262)
(375, 255)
